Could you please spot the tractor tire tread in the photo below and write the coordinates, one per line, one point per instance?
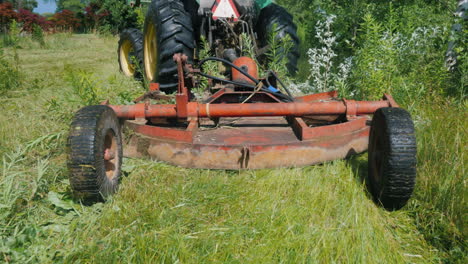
(275, 14)
(86, 178)
(135, 36)
(174, 35)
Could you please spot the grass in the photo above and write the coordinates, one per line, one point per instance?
(317, 214)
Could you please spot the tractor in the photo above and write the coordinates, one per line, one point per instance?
(246, 121)
(178, 26)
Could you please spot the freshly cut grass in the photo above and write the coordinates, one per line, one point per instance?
(316, 214)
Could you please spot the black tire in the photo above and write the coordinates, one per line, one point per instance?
(94, 134)
(392, 157)
(168, 30)
(273, 15)
(130, 53)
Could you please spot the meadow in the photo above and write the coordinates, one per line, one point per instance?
(167, 214)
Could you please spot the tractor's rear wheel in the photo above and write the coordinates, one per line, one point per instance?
(274, 20)
(95, 153)
(392, 157)
(168, 30)
(130, 53)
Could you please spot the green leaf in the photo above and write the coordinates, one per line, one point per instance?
(58, 201)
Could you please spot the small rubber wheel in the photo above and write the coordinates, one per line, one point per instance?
(130, 53)
(168, 30)
(392, 157)
(95, 153)
(275, 20)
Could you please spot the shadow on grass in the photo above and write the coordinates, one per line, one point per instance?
(358, 164)
(359, 167)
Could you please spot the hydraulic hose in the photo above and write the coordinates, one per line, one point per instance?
(285, 98)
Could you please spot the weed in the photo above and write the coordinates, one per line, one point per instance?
(247, 47)
(38, 35)
(277, 53)
(392, 62)
(324, 76)
(12, 38)
(10, 77)
(212, 68)
(85, 86)
(440, 204)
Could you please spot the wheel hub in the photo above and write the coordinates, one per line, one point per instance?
(111, 156)
(150, 52)
(126, 58)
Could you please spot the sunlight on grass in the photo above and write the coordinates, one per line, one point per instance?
(317, 214)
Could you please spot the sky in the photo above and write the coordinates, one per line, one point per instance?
(45, 6)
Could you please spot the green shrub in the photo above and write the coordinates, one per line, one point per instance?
(12, 38)
(407, 65)
(276, 54)
(10, 78)
(38, 35)
(85, 86)
(439, 204)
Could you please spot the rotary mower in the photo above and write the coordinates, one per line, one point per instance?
(246, 122)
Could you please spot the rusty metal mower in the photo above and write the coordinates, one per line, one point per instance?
(246, 122)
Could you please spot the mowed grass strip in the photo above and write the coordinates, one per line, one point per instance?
(315, 214)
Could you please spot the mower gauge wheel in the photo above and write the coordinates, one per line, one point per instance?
(95, 153)
(392, 157)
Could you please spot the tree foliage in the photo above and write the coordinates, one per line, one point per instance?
(66, 20)
(28, 19)
(75, 6)
(7, 14)
(121, 15)
(23, 4)
(94, 16)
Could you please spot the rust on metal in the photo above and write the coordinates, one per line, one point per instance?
(154, 87)
(200, 110)
(246, 145)
(238, 128)
(154, 95)
(248, 65)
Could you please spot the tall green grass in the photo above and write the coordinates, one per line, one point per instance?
(440, 206)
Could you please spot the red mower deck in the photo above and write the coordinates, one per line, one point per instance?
(252, 142)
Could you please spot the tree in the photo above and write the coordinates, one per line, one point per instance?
(28, 19)
(121, 15)
(24, 4)
(94, 15)
(7, 14)
(73, 5)
(66, 20)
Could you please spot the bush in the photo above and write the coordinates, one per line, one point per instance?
(407, 65)
(38, 35)
(7, 15)
(66, 20)
(28, 19)
(94, 15)
(121, 16)
(12, 38)
(10, 78)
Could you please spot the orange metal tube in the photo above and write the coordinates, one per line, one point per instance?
(286, 109)
(239, 110)
(144, 111)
